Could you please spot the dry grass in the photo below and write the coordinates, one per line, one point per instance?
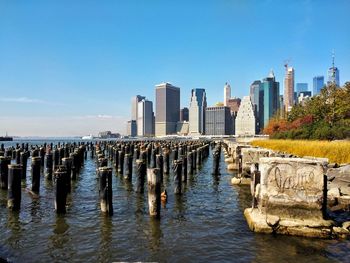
(337, 151)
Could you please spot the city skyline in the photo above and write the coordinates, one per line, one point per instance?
(70, 69)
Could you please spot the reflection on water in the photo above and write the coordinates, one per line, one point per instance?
(205, 223)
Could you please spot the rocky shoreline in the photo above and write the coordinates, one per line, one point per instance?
(292, 195)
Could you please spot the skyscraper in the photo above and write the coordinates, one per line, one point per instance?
(318, 84)
(255, 88)
(131, 129)
(245, 119)
(145, 118)
(134, 103)
(268, 99)
(300, 87)
(218, 121)
(227, 93)
(288, 88)
(184, 114)
(198, 105)
(234, 104)
(167, 109)
(333, 74)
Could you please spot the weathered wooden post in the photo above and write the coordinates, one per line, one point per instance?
(121, 162)
(18, 156)
(190, 162)
(184, 168)
(14, 193)
(177, 176)
(166, 161)
(105, 190)
(149, 154)
(194, 159)
(23, 162)
(60, 189)
(56, 158)
(49, 166)
(175, 154)
(160, 165)
(216, 163)
(116, 158)
(128, 167)
(67, 162)
(137, 153)
(154, 158)
(42, 156)
(153, 181)
(74, 158)
(4, 162)
(140, 175)
(35, 172)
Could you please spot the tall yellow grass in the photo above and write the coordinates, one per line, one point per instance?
(337, 151)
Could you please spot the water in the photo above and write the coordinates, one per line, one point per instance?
(205, 224)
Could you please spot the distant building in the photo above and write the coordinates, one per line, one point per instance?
(184, 114)
(289, 88)
(227, 93)
(233, 104)
(269, 98)
(134, 103)
(333, 74)
(218, 121)
(301, 87)
(303, 97)
(167, 109)
(245, 119)
(145, 126)
(318, 84)
(131, 128)
(182, 128)
(198, 105)
(108, 135)
(255, 90)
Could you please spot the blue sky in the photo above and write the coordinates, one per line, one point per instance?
(71, 67)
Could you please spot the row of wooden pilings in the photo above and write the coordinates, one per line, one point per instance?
(62, 162)
(152, 159)
(59, 163)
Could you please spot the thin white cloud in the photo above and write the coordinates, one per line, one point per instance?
(27, 100)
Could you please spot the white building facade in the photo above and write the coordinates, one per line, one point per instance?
(245, 119)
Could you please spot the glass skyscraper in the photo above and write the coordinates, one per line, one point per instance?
(268, 99)
(301, 87)
(318, 83)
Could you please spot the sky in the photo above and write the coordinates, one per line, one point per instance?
(70, 68)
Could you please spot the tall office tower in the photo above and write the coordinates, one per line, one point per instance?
(134, 103)
(333, 74)
(227, 93)
(184, 114)
(145, 118)
(233, 104)
(318, 84)
(198, 105)
(131, 129)
(268, 99)
(167, 109)
(300, 87)
(255, 88)
(218, 121)
(245, 119)
(288, 88)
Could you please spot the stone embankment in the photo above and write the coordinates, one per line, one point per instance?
(292, 195)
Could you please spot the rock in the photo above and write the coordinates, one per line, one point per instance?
(272, 221)
(245, 181)
(235, 180)
(340, 232)
(231, 166)
(229, 160)
(346, 225)
(333, 165)
(333, 192)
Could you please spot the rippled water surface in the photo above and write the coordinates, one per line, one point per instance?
(205, 224)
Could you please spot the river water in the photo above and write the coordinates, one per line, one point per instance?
(205, 224)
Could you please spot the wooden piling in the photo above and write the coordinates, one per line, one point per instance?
(35, 174)
(105, 190)
(153, 181)
(14, 193)
(177, 176)
(140, 175)
(4, 163)
(128, 167)
(60, 190)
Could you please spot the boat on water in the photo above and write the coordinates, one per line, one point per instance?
(6, 139)
(88, 137)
